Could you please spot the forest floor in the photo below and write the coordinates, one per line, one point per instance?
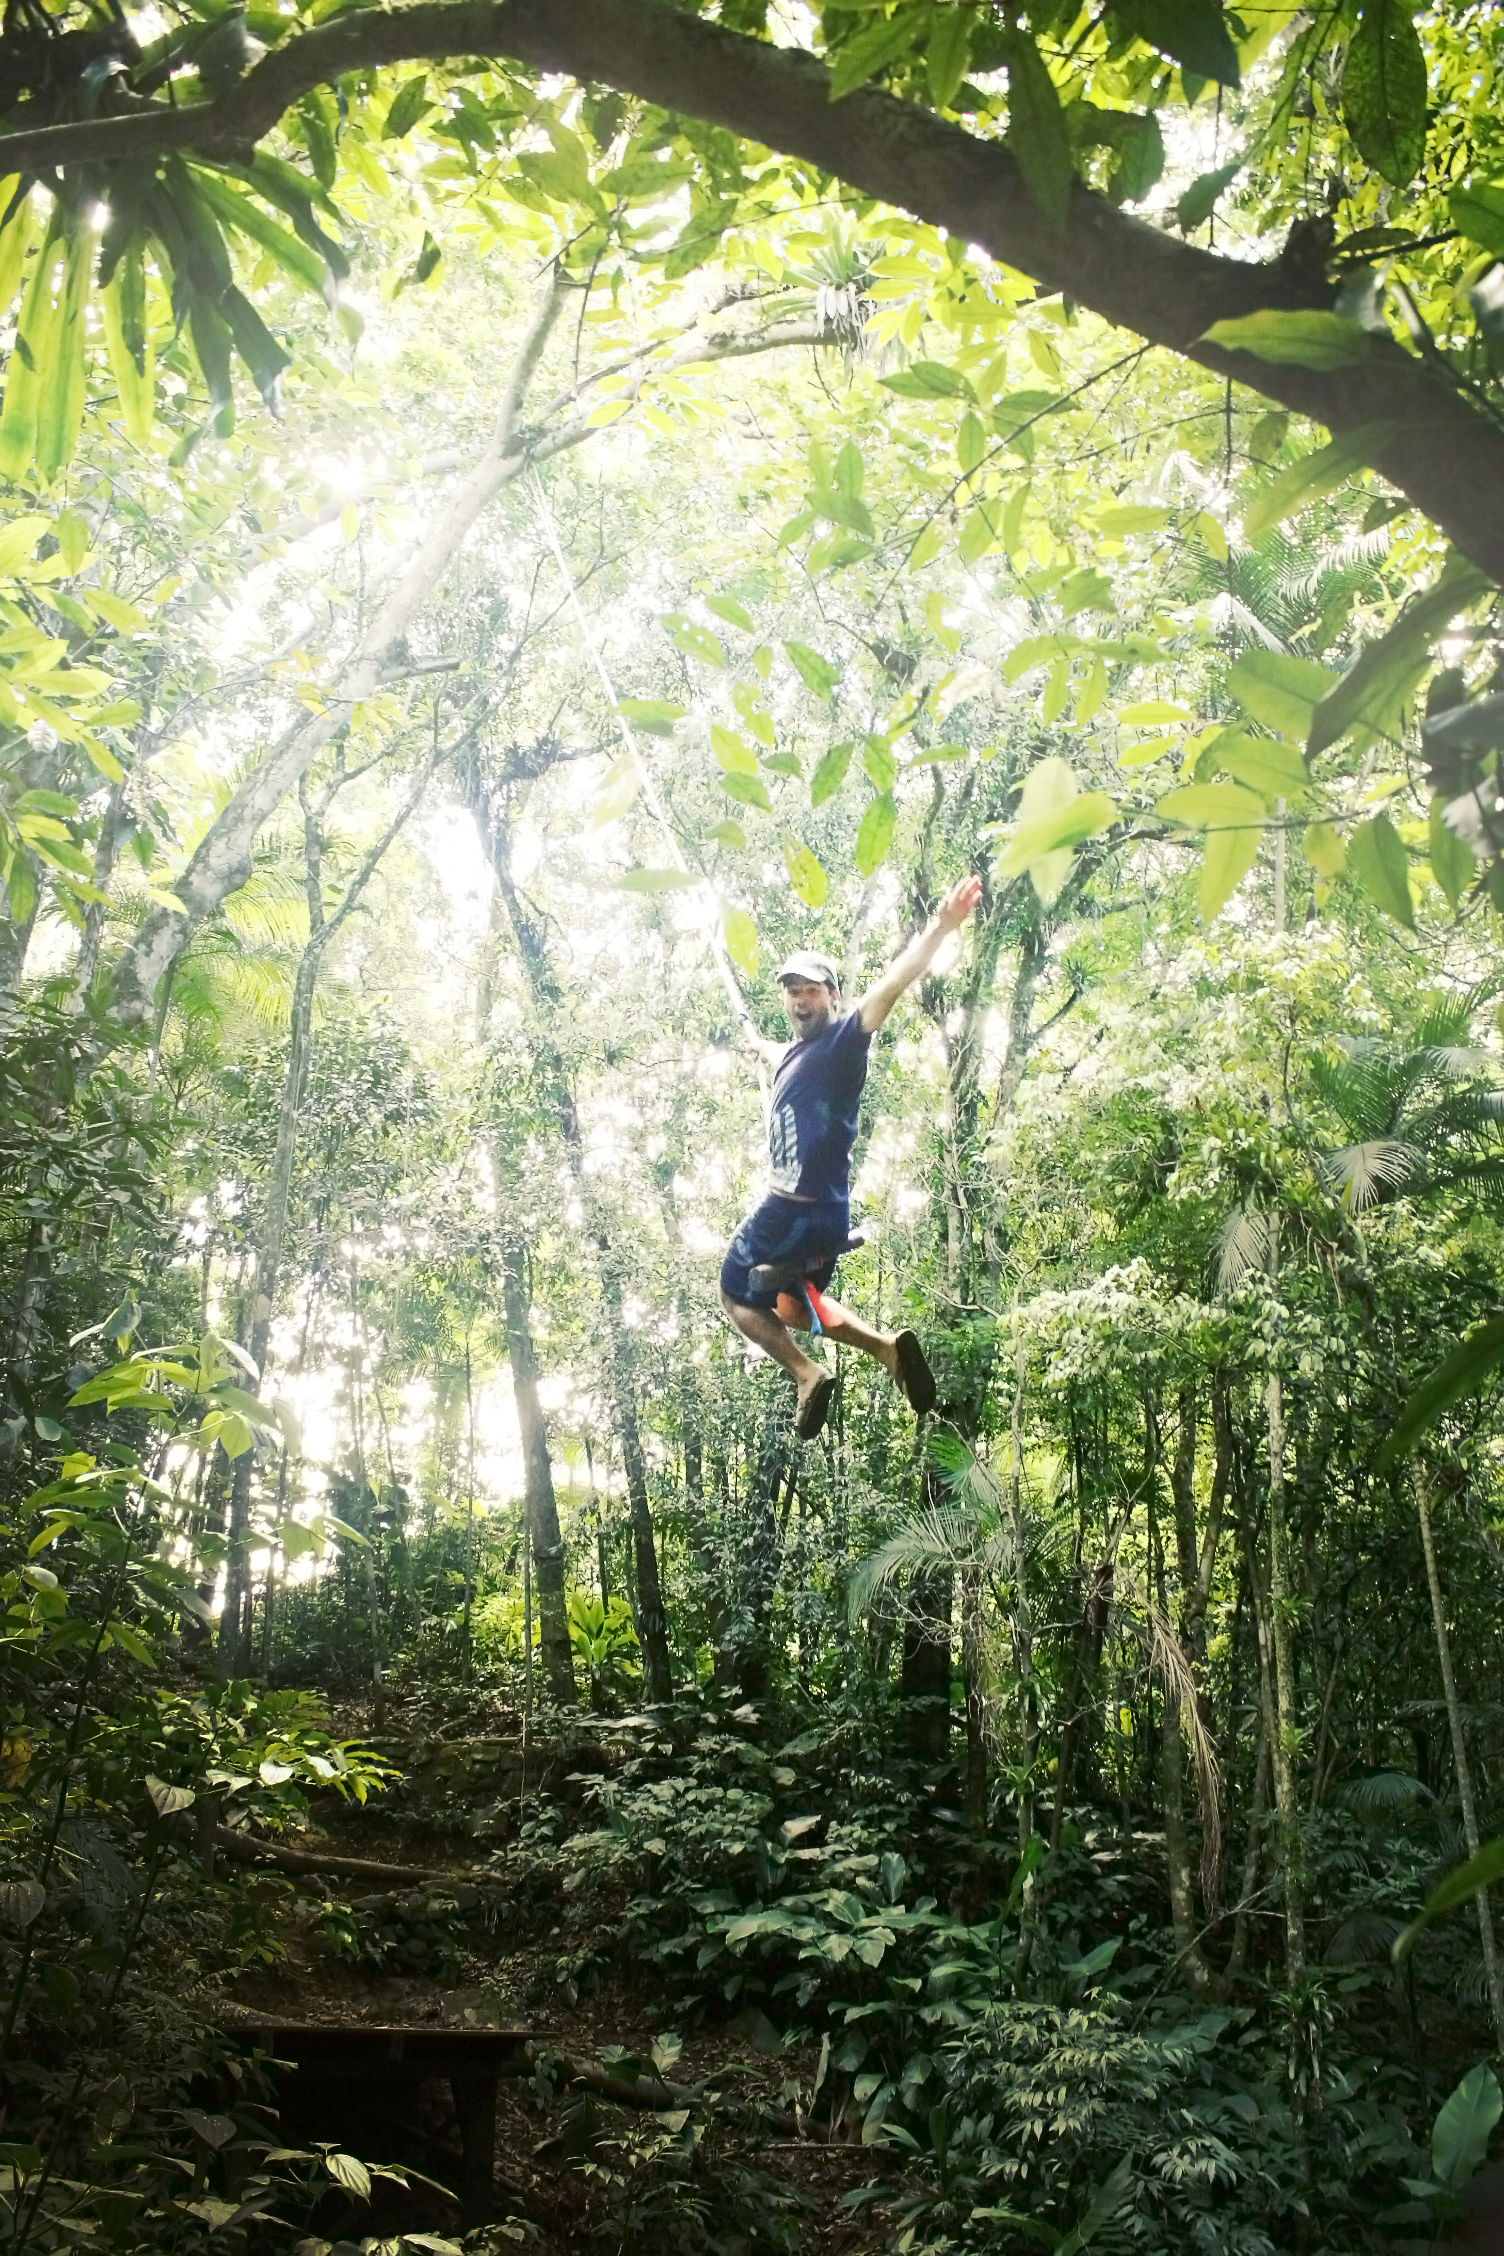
(574, 2167)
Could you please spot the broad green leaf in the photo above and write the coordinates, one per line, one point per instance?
(805, 873)
(1280, 691)
(61, 405)
(128, 342)
(878, 760)
(747, 790)
(947, 52)
(657, 880)
(1141, 160)
(928, 379)
(1193, 32)
(978, 533)
(882, 42)
(1458, 1375)
(1459, 2136)
(655, 716)
(1037, 131)
(694, 640)
(1264, 763)
(1309, 339)
(1317, 473)
(168, 1800)
(1387, 671)
(875, 835)
(1384, 91)
(18, 537)
(15, 240)
(971, 440)
(1480, 1871)
(306, 262)
(1153, 710)
(410, 102)
(1131, 517)
(621, 787)
(933, 753)
(1204, 806)
(1326, 850)
(830, 774)
(1226, 859)
(1196, 206)
(23, 374)
(1376, 857)
(817, 673)
(735, 614)
(1478, 211)
(741, 939)
(1055, 815)
(735, 755)
(1453, 862)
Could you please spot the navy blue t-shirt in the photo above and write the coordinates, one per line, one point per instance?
(816, 1092)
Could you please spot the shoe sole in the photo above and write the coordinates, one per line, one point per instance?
(914, 1376)
(815, 1409)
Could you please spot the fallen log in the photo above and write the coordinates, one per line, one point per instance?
(250, 1850)
(652, 2092)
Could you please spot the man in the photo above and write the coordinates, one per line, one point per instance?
(805, 1218)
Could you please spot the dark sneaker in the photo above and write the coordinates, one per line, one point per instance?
(914, 1375)
(815, 1408)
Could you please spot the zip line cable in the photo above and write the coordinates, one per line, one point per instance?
(655, 806)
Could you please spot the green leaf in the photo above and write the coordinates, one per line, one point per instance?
(655, 716)
(881, 43)
(1299, 339)
(1459, 2136)
(1054, 817)
(1317, 473)
(1384, 91)
(947, 52)
(695, 641)
(306, 264)
(817, 673)
(18, 416)
(1280, 691)
(657, 881)
(875, 835)
(1196, 206)
(622, 785)
(1194, 32)
(1037, 131)
(1453, 862)
(748, 790)
(1387, 671)
(1458, 1375)
(830, 774)
(741, 940)
(733, 752)
(1325, 849)
(1226, 859)
(1104, 2204)
(729, 834)
(410, 102)
(1478, 212)
(928, 379)
(1201, 806)
(19, 536)
(128, 342)
(1264, 763)
(1376, 857)
(805, 873)
(878, 760)
(1141, 160)
(60, 407)
(735, 614)
(1464, 1880)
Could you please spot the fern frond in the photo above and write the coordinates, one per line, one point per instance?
(1242, 1248)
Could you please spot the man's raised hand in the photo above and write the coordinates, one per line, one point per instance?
(958, 903)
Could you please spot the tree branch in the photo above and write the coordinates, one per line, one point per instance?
(1445, 456)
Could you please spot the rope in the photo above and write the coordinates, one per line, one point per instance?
(712, 925)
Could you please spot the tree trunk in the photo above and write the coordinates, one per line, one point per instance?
(547, 1543)
(1459, 1750)
(1286, 1742)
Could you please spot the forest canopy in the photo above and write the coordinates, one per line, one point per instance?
(518, 521)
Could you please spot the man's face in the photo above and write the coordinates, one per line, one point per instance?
(811, 1007)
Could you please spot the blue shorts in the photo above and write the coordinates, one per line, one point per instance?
(785, 1230)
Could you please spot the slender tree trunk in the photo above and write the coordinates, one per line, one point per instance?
(1286, 1744)
(652, 1629)
(976, 1704)
(546, 1543)
(1459, 1749)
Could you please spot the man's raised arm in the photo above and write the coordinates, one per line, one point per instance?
(914, 961)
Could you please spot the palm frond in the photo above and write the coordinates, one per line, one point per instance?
(1384, 1791)
(934, 1539)
(1242, 1248)
(1360, 1172)
(1366, 1935)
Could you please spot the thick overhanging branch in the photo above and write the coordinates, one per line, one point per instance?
(1445, 457)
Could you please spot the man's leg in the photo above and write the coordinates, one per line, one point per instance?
(899, 1353)
(766, 1331)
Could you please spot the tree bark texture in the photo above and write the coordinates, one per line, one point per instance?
(538, 1481)
(1445, 456)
